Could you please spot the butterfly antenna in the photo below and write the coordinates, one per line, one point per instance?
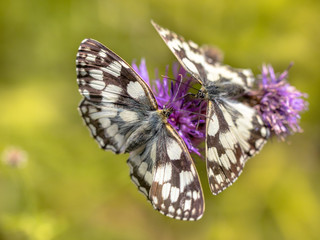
(175, 99)
(200, 108)
(195, 113)
(178, 88)
(175, 80)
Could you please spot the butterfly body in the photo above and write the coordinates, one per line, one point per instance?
(220, 90)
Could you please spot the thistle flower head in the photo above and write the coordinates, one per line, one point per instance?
(279, 103)
(184, 117)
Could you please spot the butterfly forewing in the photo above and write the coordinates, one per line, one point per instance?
(123, 116)
(202, 62)
(103, 77)
(116, 98)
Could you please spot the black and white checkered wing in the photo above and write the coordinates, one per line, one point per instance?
(203, 63)
(164, 171)
(235, 132)
(123, 116)
(116, 99)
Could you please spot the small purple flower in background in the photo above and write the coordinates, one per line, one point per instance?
(279, 103)
(188, 117)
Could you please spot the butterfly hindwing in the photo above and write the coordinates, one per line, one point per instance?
(123, 116)
(164, 171)
(234, 133)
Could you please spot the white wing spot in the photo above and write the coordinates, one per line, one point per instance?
(148, 177)
(142, 168)
(85, 93)
(259, 143)
(111, 93)
(225, 161)
(218, 178)
(167, 172)
(263, 131)
(174, 44)
(193, 212)
(231, 156)
(159, 174)
(119, 139)
(166, 190)
(213, 125)
(212, 154)
(124, 64)
(112, 130)
(99, 85)
(155, 200)
(114, 69)
(179, 211)
(191, 67)
(96, 74)
(187, 205)
(185, 179)
(128, 116)
(135, 90)
(102, 54)
(90, 57)
(195, 195)
(104, 122)
(171, 209)
(82, 72)
(173, 149)
(174, 195)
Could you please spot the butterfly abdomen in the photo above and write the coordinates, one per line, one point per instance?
(225, 90)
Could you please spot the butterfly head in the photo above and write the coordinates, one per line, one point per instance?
(202, 93)
(165, 113)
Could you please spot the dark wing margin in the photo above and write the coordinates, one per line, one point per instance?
(235, 132)
(164, 171)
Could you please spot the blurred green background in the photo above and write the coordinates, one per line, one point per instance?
(70, 189)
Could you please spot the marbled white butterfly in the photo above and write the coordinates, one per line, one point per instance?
(234, 131)
(123, 116)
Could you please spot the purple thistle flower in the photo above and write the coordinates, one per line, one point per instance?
(279, 103)
(187, 117)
